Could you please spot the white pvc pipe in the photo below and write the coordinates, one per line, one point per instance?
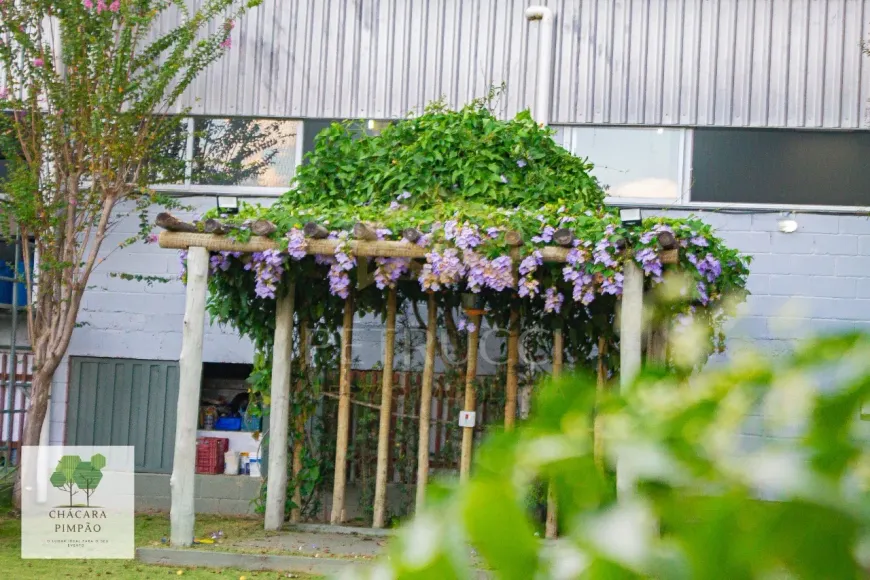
(541, 110)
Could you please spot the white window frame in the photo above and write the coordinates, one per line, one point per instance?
(189, 188)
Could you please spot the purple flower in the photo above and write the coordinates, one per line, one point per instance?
(699, 241)
(182, 259)
(389, 270)
(492, 232)
(38, 62)
(462, 324)
(404, 195)
(531, 262)
(702, 293)
(394, 205)
(553, 300)
(504, 179)
(546, 235)
(382, 233)
(528, 287)
(444, 269)
(296, 245)
(468, 238)
(268, 266)
(450, 229)
(521, 163)
(612, 286)
(152, 239)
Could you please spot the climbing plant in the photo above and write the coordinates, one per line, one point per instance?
(486, 199)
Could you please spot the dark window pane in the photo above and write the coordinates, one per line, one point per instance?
(781, 166)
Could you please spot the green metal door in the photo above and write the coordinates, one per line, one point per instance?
(124, 402)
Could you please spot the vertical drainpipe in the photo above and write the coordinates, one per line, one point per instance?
(541, 110)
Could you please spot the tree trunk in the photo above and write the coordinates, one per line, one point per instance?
(40, 391)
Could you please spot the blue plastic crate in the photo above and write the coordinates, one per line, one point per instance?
(228, 424)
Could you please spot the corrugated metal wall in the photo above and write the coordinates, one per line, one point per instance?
(125, 402)
(776, 63)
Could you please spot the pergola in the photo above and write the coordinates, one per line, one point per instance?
(185, 236)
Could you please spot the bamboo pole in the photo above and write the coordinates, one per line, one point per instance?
(343, 429)
(386, 403)
(426, 402)
(630, 339)
(279, 410)
(512, 382)
(361, 248)
(298, 439)
(181, 482)
(470, 399)
(552, 525)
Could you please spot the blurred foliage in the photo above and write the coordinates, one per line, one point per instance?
(697, 498)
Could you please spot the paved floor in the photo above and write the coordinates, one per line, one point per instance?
(317, 544)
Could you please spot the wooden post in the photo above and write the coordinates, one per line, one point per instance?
(386, 402)
(190, 376)
(298, 439)
(279, 409)
(630, 339)
(552, 525)
(512, 382)
(598, 427)
(426, 402)
(343, 428)
(470, 399)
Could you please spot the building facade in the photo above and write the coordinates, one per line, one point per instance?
(747, 114)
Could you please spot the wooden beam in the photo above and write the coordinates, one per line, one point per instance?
(343, 429)
(386, 402)
(630, 340)
(470, 397)
(552, 524)
(181, 482)
(426, 402)
(512, 381)
(299, 422)
(385, 249)
(279, 410)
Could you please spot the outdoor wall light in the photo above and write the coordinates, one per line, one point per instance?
(228, 204)
(788, 226)
(630, 217)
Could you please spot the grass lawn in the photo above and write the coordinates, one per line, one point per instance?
(150, 529)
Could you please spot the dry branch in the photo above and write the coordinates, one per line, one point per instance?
(263, 228)
(315, 231)
(170, 223)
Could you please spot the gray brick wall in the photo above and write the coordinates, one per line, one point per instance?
(815, 279)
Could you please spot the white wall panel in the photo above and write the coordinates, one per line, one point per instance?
(761, 63)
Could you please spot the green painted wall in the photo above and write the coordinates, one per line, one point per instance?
(125, 402)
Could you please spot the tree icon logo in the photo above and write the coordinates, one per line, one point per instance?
(71, 473)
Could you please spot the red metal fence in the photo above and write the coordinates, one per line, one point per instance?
(13, 403)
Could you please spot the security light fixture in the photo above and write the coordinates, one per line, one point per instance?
(630, 217)
(228, 204)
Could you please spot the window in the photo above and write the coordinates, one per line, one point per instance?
(771, 166)
(632, 163)
(230, 155)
